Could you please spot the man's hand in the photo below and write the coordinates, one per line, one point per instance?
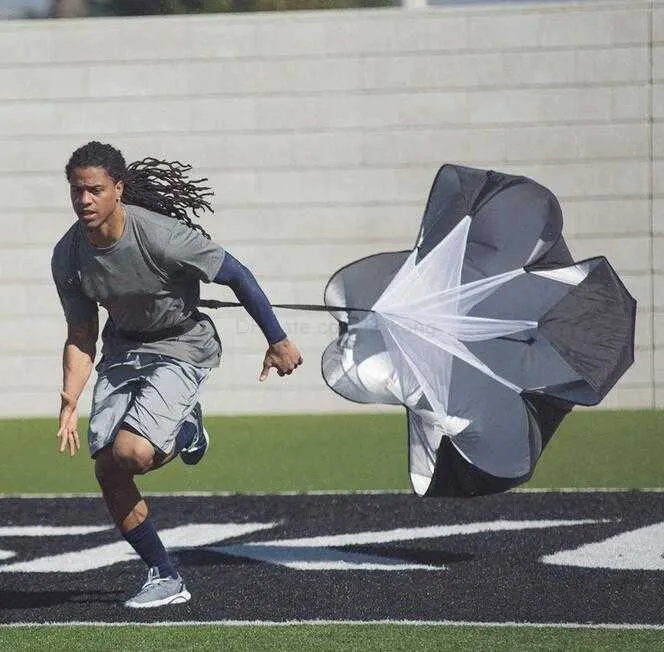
(68, 432)
(283, 356)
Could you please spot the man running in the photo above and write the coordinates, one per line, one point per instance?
(135, 251)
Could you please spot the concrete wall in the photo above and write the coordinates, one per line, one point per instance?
(321, 133)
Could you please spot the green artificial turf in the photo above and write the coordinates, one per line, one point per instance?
(592, 448)
(332, 638)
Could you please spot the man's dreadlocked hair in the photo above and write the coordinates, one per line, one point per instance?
(159, 186)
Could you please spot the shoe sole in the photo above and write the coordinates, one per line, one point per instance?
(180, 598)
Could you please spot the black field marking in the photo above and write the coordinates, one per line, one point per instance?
(487, 574)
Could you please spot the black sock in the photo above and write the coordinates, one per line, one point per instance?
(147, 544)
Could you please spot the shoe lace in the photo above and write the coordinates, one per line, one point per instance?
(153, 579)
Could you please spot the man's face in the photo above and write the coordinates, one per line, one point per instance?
(94, 195)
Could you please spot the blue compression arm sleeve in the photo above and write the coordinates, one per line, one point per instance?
(249, 294)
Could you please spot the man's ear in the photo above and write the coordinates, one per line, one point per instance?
(119, 187)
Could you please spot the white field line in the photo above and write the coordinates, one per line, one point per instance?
(322, 492)
(359, 623)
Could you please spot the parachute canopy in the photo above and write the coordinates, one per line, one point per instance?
(487, 332)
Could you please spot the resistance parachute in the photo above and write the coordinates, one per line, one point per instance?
(487, 332)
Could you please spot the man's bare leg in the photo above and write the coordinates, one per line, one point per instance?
(115, 468)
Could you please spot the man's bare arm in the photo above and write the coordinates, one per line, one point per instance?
(77, 361)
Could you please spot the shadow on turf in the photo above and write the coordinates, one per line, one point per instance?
(194, 558)
(37, 599)
(417, 555)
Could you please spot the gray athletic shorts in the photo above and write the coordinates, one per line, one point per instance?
(152, 393)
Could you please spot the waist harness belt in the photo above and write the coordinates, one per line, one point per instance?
(161, 334)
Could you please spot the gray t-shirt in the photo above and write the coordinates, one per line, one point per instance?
(148, 280)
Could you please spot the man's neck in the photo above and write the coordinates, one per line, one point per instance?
(110, 231)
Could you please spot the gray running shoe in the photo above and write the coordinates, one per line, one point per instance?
(193, 454)
(159, 591)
